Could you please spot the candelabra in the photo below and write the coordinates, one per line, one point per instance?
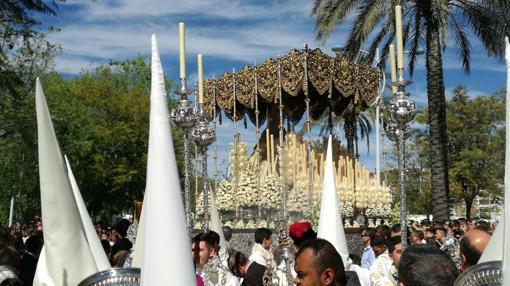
(203, 136)
(185, 117)
(401, 111)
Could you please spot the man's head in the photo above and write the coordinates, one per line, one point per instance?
(227, 233)
(319, 264)
(472, 246)
(423, 265)
(394, 249)
(440, 234)
(202, 248)
(263, 237)
(395, 230)
(365, 236)
(416, 237)
(238, 263)
(122, 227)
(430, 233)
(379, 245)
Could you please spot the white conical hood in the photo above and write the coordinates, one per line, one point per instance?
(331, 227)
(140, 237)
(494, 249)
(166, 245)
(67, 258)
(215, 225)
(506, 207)
(100, 258)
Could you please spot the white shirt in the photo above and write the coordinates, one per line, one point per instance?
(381, 271)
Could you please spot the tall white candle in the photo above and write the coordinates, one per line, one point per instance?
(200, 79)
(400, 41)
(182, 52)
(393, 69)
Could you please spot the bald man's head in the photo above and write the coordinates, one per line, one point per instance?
(472, 245)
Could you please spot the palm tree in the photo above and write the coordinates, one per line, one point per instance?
(352, 120)
(429, 22)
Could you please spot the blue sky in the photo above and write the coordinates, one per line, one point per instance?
(230, 34)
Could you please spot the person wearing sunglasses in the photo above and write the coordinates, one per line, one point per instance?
(368, 255)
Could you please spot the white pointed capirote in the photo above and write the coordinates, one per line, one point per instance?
(494, 249)
(166, 245)
(331, 227)
(100, 258)
(215, 225)
(506, 207)
(67, 258)
(140, 237)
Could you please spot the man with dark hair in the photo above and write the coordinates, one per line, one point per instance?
(203, 247)
(394, 250)
(423, 265)
(319, 264)
(29, 259)
(251, 271)
(381, 271)
(472, 245)
(440, 238)
(260, 251)
(368, 256)
(417, 237)
(395, 230)
(122, 243)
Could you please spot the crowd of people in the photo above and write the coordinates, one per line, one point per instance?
(435, 255)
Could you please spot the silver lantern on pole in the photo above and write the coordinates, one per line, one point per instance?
(402, 111)
(203, 135)
(184, 117)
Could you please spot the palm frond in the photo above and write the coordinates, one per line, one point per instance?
(329, 14)
(488, 24)
(417, 37)
(370, 15)
(462, 42)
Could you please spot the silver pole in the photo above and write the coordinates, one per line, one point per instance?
(403, 183)
(11, 211)
(377, 143)
(377, 124)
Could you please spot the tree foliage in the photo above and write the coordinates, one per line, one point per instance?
(476, 146)
(101, 119)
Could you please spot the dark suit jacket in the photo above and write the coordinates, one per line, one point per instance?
(254, 274)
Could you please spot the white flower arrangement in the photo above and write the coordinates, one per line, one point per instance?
(250, 225)
(247, 189)
(199, 204)
(270, 193)
(239, 224)
(262, 223)
(297, 198)
(225, 197)
(346, 209)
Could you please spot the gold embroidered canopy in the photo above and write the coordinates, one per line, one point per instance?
(298, 76)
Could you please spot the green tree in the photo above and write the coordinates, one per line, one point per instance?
(418, 191)
(101, 119)
(430, 23)
(475, 146)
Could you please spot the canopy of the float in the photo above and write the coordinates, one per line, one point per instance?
(301, 75)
